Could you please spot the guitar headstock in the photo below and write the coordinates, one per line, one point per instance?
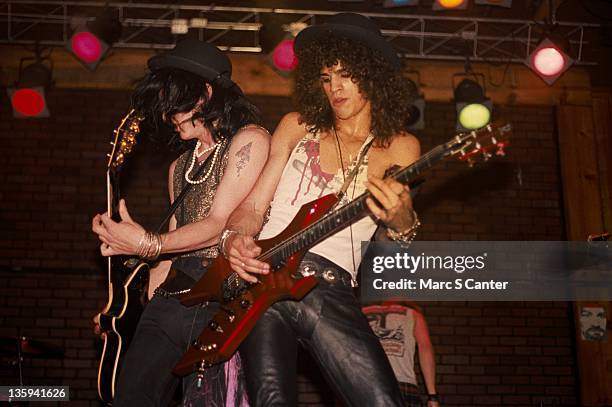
(481, 144)
(124, 140)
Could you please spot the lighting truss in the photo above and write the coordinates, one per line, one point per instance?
(427, 37)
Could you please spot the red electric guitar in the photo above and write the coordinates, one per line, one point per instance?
(242, 303)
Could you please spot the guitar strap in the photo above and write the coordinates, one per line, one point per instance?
(179, 199)
(355, 169)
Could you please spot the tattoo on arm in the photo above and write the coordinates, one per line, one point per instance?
(243, 155)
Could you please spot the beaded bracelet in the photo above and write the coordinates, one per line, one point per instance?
(405, 238)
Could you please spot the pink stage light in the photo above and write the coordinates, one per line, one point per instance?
(283, 56)
(86, 46)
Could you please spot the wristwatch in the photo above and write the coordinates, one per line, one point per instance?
(433, 397)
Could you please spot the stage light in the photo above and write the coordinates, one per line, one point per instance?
(92, 40)
(549, 61)
(283, 56)
(449, 4)
(179, 26)
(473, 108)
(417, 109)
(28, 94)
(399, 3)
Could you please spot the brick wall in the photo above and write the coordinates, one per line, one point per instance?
(52, 279)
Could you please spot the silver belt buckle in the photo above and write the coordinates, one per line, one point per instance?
(329, 275)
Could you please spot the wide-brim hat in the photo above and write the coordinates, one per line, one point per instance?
(352, 26)
(197, 57)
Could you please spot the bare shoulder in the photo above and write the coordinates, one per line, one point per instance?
(289, 130)
(404, 149)
(251, 134)
(172, 167)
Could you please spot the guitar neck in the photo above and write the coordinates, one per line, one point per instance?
(112, 194)
(351, 212)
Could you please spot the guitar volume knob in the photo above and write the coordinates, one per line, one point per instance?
(245, 303)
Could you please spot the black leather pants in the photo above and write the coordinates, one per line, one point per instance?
(329, 323)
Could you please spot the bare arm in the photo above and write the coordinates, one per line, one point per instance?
(427, 359)
(124, 237)
(158, 273)
(248, 218)
(394, 206)
(247, 156)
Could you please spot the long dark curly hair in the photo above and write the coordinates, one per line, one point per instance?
(389, 93)
(165, 92)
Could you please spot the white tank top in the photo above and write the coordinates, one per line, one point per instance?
(303, 181)
(394, 326)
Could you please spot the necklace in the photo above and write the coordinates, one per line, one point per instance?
(352, 197)
(196, 155)
(206, 150)
(350, 160)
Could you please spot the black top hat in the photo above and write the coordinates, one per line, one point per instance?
(352, 26)
(197, 57)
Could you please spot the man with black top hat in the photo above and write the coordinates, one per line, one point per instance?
(353, 105)
(188, 97)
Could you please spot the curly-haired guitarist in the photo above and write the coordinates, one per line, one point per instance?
(348, 130)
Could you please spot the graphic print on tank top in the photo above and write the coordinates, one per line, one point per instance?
(306, 159)
(388, 325)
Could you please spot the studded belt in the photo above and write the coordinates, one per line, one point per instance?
(324, 270)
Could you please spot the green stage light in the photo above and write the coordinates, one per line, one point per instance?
(474, 116)
(473, 108)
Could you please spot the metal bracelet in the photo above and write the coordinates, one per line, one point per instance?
(224, 236)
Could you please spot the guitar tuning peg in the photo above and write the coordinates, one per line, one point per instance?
(108, 155)
(112, 143)
(477, 145)
(500, 150)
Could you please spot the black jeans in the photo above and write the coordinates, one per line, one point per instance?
(329, 323)
(165, 330)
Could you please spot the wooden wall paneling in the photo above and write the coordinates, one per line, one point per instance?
(583, 215)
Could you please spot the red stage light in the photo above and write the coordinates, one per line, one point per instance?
(548, 61)
(283, 56)
(86, 46)
(28, 102)
(27, 94)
